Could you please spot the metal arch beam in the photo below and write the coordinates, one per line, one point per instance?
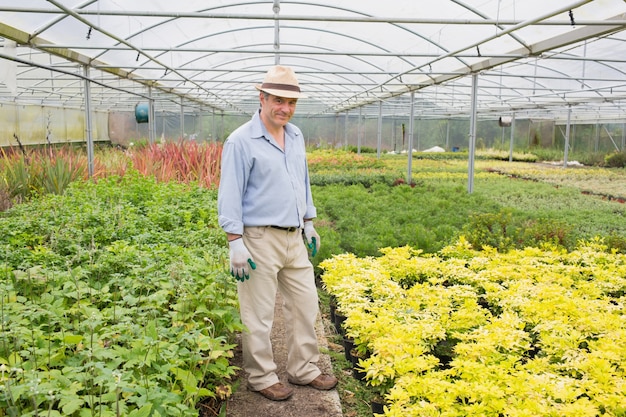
(317, 18)
(315, 73)
(72, 74)
(176, 16)
(464, 73)
(24, 38)
(568, 38)
(371, 19)
(489, 63)
(342, 75)
(321, 51)
(53, 22)
(273, 17)
(112, 36)
(497, 24)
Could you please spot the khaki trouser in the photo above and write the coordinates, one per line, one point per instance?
(282, 264)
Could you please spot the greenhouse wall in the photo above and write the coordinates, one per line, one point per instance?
(39, 125)
(124, 129)
(338, 131)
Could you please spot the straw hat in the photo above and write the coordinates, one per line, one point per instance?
(281, 82)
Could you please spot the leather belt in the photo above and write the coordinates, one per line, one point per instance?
(287, 229)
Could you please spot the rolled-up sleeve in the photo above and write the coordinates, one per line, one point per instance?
(233, 178)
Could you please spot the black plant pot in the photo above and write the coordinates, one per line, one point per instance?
(339, 319)
(348, 345)
(357, 372)
(377, 406)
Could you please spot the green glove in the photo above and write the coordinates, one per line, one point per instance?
(312, 238)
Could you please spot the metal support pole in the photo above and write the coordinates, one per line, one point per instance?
(380, 129)
(182, 120)
(276, 9)
(472, 135)
(151, 121)
(336, 137)
(359, 127)
(410, 152)
(512, 142)
(567, 130)
(213, 126)
(222, 126)
(88, 124)
(345, 131)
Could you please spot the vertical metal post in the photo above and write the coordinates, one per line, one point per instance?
(567, 131)
(182, 120)
(336, 137)
(410, 152)
(151, 121)
(222, 125)
(213, 126)
(358, 139)
(472, 135)
(512, 142)
(276, 9)
(345, 131)
(379, 140)
(393, 133)
(88, 124)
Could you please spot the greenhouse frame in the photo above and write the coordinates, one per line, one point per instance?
(380, 74)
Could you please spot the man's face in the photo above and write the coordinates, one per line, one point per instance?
(277, 111)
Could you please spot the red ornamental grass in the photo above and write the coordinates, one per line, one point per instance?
(182, 161)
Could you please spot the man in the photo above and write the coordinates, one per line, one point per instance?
(266, 209)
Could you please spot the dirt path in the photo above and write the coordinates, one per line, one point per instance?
(305, 402)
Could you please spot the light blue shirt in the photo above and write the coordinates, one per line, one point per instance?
(260, 184)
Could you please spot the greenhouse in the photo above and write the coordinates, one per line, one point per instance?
(463, 163)
(376, 73)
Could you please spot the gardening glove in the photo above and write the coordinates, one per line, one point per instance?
(240, 260)
(312, 238)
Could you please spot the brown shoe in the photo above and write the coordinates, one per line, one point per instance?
(322, 382)
(277, 392)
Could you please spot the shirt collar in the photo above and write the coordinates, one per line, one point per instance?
(259, 130)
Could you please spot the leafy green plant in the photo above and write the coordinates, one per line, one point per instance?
(115, 301)
(55, 174)
(492, 229)
(615, 160)
(18, 181)
(41, 171)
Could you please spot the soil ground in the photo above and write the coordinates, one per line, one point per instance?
(305, 402)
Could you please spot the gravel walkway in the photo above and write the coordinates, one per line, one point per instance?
(305, 402)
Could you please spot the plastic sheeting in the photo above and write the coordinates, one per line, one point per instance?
(39, 125)
(533, 57)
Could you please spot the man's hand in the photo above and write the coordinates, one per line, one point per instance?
(240, 260)
(312, 238)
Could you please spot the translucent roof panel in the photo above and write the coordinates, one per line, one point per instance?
(530, 56)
